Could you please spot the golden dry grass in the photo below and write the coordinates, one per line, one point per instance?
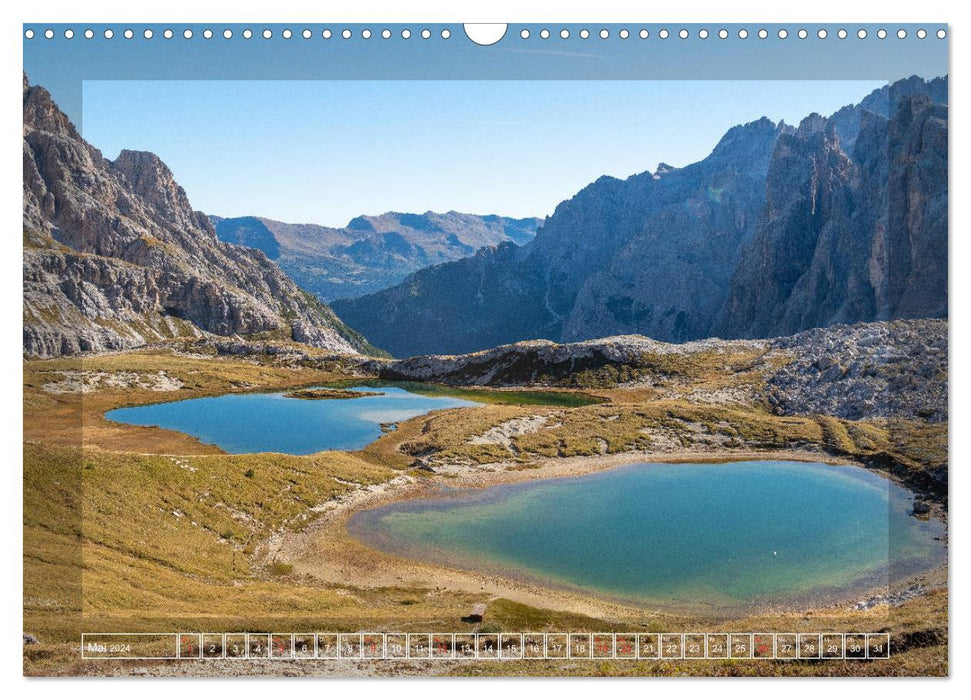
(137, 529)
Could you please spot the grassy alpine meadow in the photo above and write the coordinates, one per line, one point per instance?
(132, 529)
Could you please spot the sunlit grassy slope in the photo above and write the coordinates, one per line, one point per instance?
(129, 528)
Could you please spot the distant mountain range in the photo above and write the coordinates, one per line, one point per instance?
(371, 253)
(780, 229)
(115, 257)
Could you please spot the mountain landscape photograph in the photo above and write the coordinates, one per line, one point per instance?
(489, 381)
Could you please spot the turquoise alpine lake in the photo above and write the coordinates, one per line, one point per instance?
(244, 423)
(713, 537)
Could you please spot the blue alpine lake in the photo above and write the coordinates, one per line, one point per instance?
(243, 423)
(683, 536)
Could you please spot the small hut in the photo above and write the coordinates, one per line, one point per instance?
(478, 612)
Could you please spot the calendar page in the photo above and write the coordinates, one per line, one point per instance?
(485, 350)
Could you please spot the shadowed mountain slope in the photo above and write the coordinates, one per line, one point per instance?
(778, 230)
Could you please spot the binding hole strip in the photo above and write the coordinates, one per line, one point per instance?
(488, 34)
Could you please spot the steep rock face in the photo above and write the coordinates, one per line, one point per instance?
(804, 202)
(882, 102)
(779, 230)
(115, 257)
(670, 272)
(372, 252)
(849, 237)
(650, 254)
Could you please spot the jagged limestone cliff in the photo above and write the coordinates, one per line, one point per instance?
(778, 230)
(115, 257)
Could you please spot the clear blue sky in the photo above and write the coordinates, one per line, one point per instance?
(326, 151)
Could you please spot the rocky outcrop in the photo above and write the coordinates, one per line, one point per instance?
(371, 253)
(920, 507)
(894, 369)
(848, 236)
(115, 257)
(545, 362)
(871, 370)
(841, 220)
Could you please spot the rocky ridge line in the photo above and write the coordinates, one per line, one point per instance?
(115, 257)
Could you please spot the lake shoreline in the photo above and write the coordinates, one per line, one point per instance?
(326, 550)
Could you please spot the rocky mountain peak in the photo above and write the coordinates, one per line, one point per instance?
(749, 146)
(153, 181)
(778, 230)
(115, 257)
(810, 125)
(742, 134)
(41, 114)
(360, 223)
(849, 234)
